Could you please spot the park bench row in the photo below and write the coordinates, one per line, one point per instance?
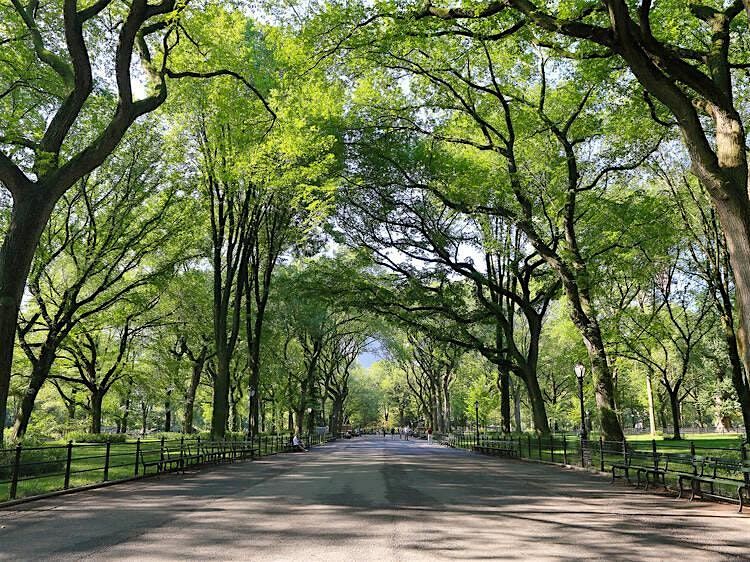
(694, 472)
(499, 448)
(210, 452)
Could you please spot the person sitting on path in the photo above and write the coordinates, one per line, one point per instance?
(297, 445)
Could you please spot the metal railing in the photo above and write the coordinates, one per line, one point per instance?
(37, 470)
(600, 455)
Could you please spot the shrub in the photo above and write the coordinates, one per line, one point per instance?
(228, 436)
(44, 460)
(82, 437)
(167, 435)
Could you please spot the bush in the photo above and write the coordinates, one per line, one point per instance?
(228, 436)
(167, 435)
(53, 460)
(82, 437)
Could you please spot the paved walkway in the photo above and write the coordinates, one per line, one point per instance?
(368, 499)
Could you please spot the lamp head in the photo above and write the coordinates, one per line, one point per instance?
(580, 371)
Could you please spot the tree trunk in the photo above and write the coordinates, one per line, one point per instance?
(300, 415)
(144, 417)
(536, 398)
(71, 405)
(516, 405)
(254, 343)
(674, 404)
(503, 385)
(446, 406)
(603, 384)
(168, 414)
(97, 397)
(195, 379)
(650, 393)
(739, 380)
(220, 402)
(39, 374)
(337, 414)
(29, 215)
(125, 415)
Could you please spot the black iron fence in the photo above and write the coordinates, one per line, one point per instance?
(35, 470)
(679, 457)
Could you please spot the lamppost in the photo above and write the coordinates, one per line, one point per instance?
(580, 372)
(476, 414)
(250, 433)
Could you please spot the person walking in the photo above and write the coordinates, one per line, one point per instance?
(393, 431)
(429, 435)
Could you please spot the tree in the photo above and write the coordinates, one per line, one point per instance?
(709, 259)
(687, 58)
(54, 133)
(98, 356)
(119, 229)
(666, 331)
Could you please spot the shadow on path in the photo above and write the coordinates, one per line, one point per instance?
(374, 499)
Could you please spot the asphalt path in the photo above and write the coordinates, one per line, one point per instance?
(374, 499)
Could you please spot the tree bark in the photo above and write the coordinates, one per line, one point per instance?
(30, 213)
(220, 400)
(536, 398)
(195, 379)
(39, 373)
(168, 413)
(674, 404)
(97, 397)
(650, 393)
(517, 408)
(125, 415)
(503, 385)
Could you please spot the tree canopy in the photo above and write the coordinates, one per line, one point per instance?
(230, 217)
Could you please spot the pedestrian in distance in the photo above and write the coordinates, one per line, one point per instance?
(297, 445)
(393, 432)
(429, 435)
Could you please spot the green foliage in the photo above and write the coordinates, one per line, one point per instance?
(82, 437)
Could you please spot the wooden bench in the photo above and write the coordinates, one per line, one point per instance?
(709, 473)
(166, 462)
(498, 448)
(643, 463)
(658, 470)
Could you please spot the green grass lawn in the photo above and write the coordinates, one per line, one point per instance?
(87, 464)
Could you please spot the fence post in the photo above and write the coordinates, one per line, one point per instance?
(552, 447)
(565, 449)
(161, 448)
(520, 448)
(601, 453)
(581, 445)
(743, 455)
(106, 461)
(528, 438)
(539, 444)
(16, 472)
(66, 484)
(654, 455)
(137, 454)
